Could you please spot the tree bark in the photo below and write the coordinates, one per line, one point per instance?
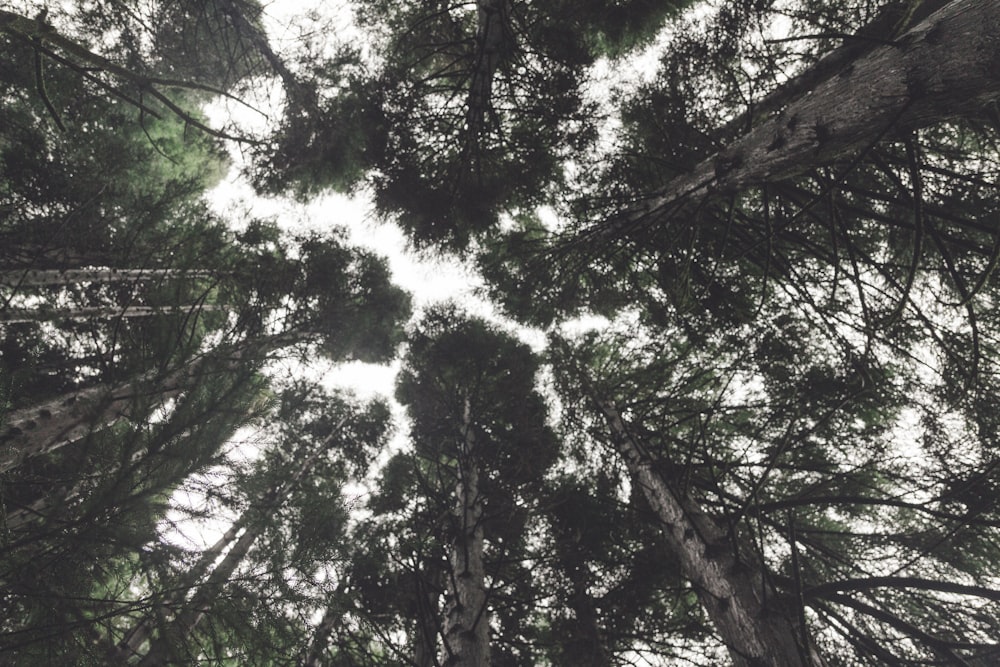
(84, 313)
(133, 641)
(48, 426)
(466, 622)
(54, 277)
(945, 67)
(732, 587)
(314, 654)
(892, 20)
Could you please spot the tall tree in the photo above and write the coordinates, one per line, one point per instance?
(479, 424)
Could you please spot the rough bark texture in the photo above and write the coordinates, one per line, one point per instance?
(945, 67)
(466, 622)
(894, 19)
(48, 426)
(731, 587)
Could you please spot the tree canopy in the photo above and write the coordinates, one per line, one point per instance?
(732, 398)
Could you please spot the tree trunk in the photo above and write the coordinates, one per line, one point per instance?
(731, 586)
(466, 622)
(943, 68)
(492, 38)
(425, 632)
(892, 20)
(314, 654)
(131, 644)
(54, 277)
(84, 313)
(164, 648)
(48, 426)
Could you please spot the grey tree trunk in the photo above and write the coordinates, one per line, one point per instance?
(466, 627)
(732, 587)
(893, 20)
(84, 313)
(164, 648)
(134, 640)
(48, 426)
(54, 277)
(944, 67)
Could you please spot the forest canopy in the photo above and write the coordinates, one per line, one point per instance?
(734, 398)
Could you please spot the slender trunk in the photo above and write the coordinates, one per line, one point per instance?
(22, 257)
(54, 277)
(84, 313)
(164, 648)
(466, 622)
(293, 87)
(492, 37)
(943, 68)
(133, 641)
(193, 612)
(732, 587)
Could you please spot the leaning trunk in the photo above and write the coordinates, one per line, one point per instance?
(732, 586)
(133, 641)
(945, 67)
(166, 645)
(51, 425)
(466, 622)
(46, 427)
